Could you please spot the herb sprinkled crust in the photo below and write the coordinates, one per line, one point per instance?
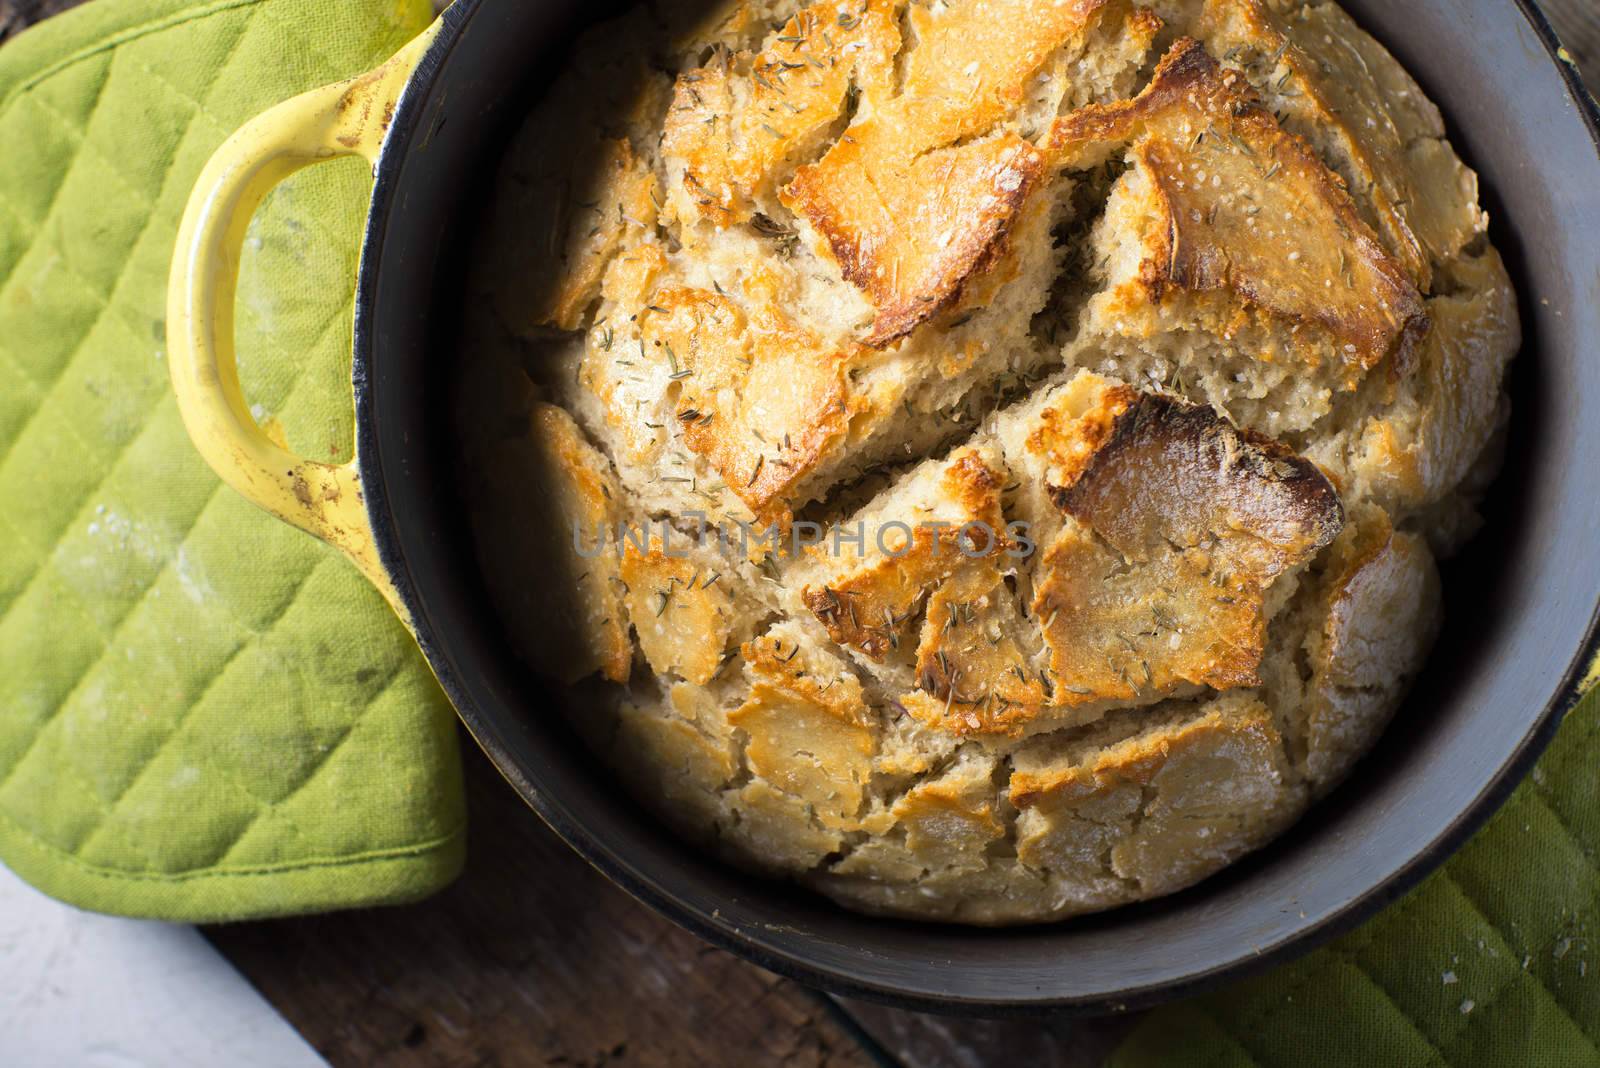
(1235, 203)
(1082, 392)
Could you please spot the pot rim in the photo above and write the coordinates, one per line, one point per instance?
(753, 945)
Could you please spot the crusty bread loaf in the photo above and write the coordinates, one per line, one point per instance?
(1031, 428)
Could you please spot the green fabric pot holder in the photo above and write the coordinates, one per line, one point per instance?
(204, 714)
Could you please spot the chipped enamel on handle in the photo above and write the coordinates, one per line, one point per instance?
(345, 119)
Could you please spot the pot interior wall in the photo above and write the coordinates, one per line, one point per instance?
(1520, 601)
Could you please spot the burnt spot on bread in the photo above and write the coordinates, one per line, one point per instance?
(1174, 531)
(1171, 472)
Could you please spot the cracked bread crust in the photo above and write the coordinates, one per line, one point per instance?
(759, 398)
(1114, 374)
(1235, 204)
(918, 197)
(859, 196)
(952, 515)
(1166, 806)
(737, 121)
(1345, 94)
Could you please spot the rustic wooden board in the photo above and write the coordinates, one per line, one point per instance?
(914, 1039)
(533, 958)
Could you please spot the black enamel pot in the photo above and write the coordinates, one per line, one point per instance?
(1521, 603)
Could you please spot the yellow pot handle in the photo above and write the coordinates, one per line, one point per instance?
(349, 118)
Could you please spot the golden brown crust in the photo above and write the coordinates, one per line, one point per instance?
(1110, 628)
(1180, 524)
(913, 201)
(1067, 436)
(868, 604)
(809, 728)
(972, 62)
(731, 131)
(1168, 806)
(681, 614)
(1243, 207)
(910, 231)
(759, 397)
(974, 667)
(1332, 78)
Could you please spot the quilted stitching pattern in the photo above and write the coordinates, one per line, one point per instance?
(203, 713)
(1491, 962)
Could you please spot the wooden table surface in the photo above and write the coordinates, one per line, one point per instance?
(534, 958)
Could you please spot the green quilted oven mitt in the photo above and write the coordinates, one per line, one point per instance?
(204, 714)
